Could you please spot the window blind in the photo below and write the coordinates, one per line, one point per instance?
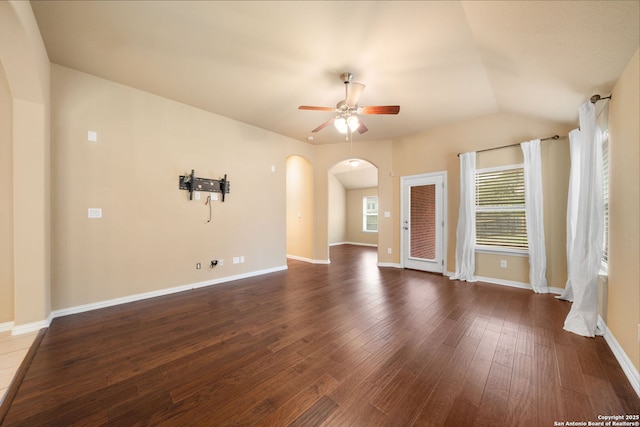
(500, 208)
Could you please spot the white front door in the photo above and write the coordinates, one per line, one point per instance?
(424, 222)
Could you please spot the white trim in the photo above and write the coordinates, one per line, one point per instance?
(162, 292)
(511, 283)
(375, 245)
(504, 282)
(625, 363)
(372, 245)
(4, 327)
(406, 181)
(300, 258)
(389, 264)
(309, 260)
(501, 168)
(501, 250)
(31, 327)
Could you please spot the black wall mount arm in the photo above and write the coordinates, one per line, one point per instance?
(192, 183)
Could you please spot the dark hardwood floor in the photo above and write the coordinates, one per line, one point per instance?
(333, 345)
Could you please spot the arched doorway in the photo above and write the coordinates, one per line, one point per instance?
(353, 202)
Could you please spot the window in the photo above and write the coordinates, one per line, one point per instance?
(500, 209)
(370, 213)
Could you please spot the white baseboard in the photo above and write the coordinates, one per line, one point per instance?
(625, 363)
(299, 258)
(161, 292)
(7, 326)
(389, 264)
(371, 245)
(511, 283)
(32, 327)
(309, 260)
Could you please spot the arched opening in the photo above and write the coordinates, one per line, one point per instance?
(353, 203)
(26, 103)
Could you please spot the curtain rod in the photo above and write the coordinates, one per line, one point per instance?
(549, 138)
(596, 98)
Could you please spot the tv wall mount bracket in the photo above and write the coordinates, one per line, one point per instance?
(192, 183)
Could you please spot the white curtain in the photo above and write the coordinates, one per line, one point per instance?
(466, 231)
(534, 216)
(575, 143)
(585, 222)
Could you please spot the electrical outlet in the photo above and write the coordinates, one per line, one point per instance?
(221, 262)
(503, 263)
(213, 263)
(389, 250)
(236, 260)
(241, 259)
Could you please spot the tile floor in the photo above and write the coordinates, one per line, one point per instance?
(13, 349)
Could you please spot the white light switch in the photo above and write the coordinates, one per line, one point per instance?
(92, 136)
(387, 214)
(94, 212)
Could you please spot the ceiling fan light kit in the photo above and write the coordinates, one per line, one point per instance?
(348, 110)
(344, 124)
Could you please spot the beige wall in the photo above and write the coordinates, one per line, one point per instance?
(299, 207)
(337, 211)
(6, 201)
(436, 150)
(151, 236)
(354, 217)
(623, 309)
(26, 67)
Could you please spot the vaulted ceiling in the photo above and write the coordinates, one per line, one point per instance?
(441, 61)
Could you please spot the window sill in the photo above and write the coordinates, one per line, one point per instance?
(603, 274)
(369, 231)
(502, 251)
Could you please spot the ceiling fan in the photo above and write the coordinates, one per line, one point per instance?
(348, 109)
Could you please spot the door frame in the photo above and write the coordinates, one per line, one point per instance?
(403, 214)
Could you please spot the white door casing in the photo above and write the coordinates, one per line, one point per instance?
(423, 221)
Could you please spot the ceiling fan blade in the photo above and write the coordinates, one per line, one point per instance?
(380, 109)
(354, 90)
(362, 128)
(310, 107)
(324, 125)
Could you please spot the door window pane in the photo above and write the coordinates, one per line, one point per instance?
(423, 222)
